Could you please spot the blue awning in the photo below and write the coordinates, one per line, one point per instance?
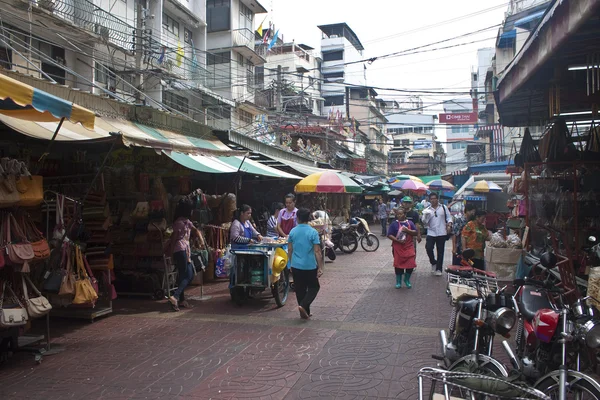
(530, 18)
(490, 167)
(507, 38)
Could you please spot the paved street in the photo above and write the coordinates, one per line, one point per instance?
(366, 340)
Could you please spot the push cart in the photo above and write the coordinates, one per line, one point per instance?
(256, 268)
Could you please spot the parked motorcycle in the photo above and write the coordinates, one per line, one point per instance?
(480, 311)
(368, 241)
(555, 340)
(344, 237)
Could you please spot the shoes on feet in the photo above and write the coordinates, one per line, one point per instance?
(303, 313)
(433, 268)
(438, 273)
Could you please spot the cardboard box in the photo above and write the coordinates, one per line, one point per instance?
(502, 256)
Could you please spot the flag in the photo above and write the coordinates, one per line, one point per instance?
(163, 52)
(180, 54)
(273, 41)
(260, 27)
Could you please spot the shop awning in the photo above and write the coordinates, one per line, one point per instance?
(25, 102)
(507, 38)
(301, 168)
(530, 18)
(490, 167)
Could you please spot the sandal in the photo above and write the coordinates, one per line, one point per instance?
(174, 305)
(185, 304)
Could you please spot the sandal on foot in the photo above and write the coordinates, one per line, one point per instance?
(185, 304)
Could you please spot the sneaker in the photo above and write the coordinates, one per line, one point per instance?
(438, 273)
(433, 268)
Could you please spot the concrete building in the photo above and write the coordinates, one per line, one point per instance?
(460, 137)
(340, 46)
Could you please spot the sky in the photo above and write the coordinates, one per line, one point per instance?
(387, 26)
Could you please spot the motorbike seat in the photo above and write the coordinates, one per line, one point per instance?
(533, 300)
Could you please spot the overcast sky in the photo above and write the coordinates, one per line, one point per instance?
(387, 26)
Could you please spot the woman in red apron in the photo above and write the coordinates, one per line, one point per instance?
(286, 220)
(400, 233)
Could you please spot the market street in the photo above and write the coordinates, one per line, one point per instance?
(366, 340)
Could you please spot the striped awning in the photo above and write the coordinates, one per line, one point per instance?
(202, 155)
(497, 138)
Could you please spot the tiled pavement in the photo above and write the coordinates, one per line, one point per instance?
(366, 340)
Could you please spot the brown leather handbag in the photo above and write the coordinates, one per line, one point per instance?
(84, 291)
(41, 249)
(67, 286)
(19, 254)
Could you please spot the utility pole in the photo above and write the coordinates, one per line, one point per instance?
(139, 49)
(279, 89)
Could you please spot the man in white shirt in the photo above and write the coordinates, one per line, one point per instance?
(438, 220)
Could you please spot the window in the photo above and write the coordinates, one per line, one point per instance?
(460, 128)
(176, 102)
(259, 76)
(333, 75)
(405, 142)
(218, 58)
(333, 55)
(334, 100)
(187, 36)
(458, 146)
(218, 66)
(245, 117)
(240, 59)
(245, 17)
(170, 25)
(217, 15)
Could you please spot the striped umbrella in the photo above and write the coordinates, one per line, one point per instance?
(327, 182)
(410, 185)
(440, 184)
(404, 178)
(484, 187)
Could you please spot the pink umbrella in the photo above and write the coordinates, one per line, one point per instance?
(410, 185)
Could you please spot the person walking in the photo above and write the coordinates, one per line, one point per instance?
(413, 216)
(438, 220)
(401, 234)
(474, 236)
(179, 247)
(304, 254)
(459, 224)
(383, 215)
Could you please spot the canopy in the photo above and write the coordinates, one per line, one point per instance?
(440, 184)
(491, 166)
(404, 178)
(484, 187)
(327, 182)
(25, 102)
(410, 185)
(500, 179)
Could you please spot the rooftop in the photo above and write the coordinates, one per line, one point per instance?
(342, 30)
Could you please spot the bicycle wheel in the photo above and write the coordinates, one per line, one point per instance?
(580, 386)
(485, 365)
(369, 242)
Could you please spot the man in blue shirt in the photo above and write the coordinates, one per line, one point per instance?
(304, 253)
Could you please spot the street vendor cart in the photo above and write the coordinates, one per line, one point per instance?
(256, 268)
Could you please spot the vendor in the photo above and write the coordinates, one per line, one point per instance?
(242, 231)
(286, 220)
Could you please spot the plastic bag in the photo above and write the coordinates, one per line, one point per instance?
(513, 241)
(498, 241)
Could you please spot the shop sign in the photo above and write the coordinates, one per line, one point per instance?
(458, 118)
(475, 198)
(359, 165)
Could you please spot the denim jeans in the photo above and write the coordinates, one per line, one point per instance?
(384, 226)
(185, 274)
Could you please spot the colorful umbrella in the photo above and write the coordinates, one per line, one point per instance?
(404, 178)
(410, 185)
(327, 182)
(440, 184)
(484, 187)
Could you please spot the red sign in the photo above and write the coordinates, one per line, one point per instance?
(359, 165)
(458, 118)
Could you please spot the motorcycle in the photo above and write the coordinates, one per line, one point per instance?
(368, 241)
(554, 339)
(344, 237)
(480, 311)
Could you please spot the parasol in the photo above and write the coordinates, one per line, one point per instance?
(484, 187)
(440, 184)
(410, 185)
(327, 182)
(398, 178)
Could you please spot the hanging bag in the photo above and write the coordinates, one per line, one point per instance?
(11, 317)
(67, 285)
(37, 306)
(59, 228)
(41, 249)
(19, 253)
(9, 196)
(31, 192)
(84, 291)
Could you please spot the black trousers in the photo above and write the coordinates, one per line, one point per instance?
(307, 286)
(439, 242)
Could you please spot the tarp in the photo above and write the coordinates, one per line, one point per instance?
(301, 168)
(25, 102)
(490, 167)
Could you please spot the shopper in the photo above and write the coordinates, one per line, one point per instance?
(179, 247)
(459, 223)
(393, 204)
(383, 214)
(272, 222)
(304, 254)
(438, 220)
(242, 231)
(286, 220)
(474, 236)
(413, 216)
(401, 234)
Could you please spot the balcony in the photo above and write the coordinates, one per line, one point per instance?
(87, 16)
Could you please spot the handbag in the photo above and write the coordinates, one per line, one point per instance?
(84, 291)
(41, 249)
(36, 306)
(9, 196)
(11, 317)
(19, 253)
(67, 284)
(54, 276)
(31, 190)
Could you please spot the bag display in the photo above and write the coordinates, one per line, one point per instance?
(59, 228)
(9, 196)
(67, 285)
(141, 210)
(54, 275)
(11, 317)
(84, 290)
(19, 254)
(41, 249)
(31, 190)
(37, 306)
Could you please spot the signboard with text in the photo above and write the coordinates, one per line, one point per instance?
(458, 118)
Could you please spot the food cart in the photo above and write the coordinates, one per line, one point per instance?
(259, 267)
